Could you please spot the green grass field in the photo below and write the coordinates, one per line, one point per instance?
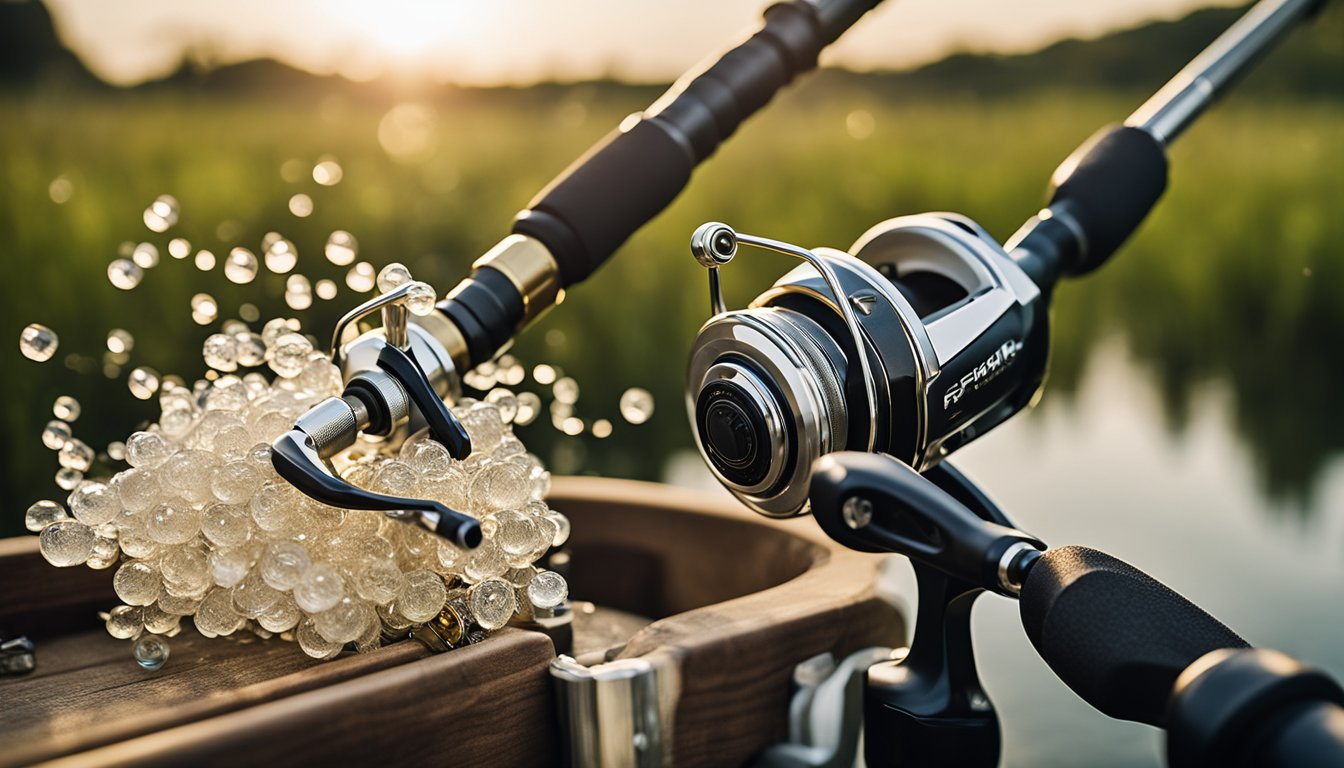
(1237, 279)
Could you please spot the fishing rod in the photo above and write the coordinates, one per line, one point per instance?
(402, 373)
(928, 333)
(1128, 645)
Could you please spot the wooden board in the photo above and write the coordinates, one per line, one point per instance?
(739, 601)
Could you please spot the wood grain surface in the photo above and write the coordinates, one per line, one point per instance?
(739, 601)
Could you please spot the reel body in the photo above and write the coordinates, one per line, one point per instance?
(921, 338)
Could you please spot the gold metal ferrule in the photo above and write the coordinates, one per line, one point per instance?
(532, 270)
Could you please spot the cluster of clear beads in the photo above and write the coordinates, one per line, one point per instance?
(200, 525)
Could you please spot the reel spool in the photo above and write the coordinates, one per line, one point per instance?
(928, 335)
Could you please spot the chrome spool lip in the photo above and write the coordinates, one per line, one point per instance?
(749, 334)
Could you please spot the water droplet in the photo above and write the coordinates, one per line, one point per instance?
(125, 622)
(145, 255)
(241, 266)
(326, 289)
(116, 450)
(179, 248)
(119, 341)
(162, 213)
(124, 274)
(76, 455)
(341, 248)
(392, 277)
(143, 382)
(205, 260)
(360, 278)
(151, 652)
(636, 405)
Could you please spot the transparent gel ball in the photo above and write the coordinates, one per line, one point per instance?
(320, 588)
(420, 299)
(76, 455)
(483, 423)
(422, 596)
(515, 533)
(229, 566)
(145, 255)
(137, 583)
(137, 489)
(146, 449)
(151, 652)
(226, 525)
(94, 503)
(493, 603)
(159, 621)
(106, 551)
(529, 405)
(241, 266)
(379, 582)
(284, 615)
(341, 248)
(251, 349)
(37, 342)
(547, 589)
(236, 482)
(290, 355)
(124, 622)
(179, 605)
(44, 513)
(271, 506)
(636, 405)
(66, 408)
(216, 615)
(344, 622)
(66, 542)
(252, 596)
(67, 479)
(486, 561)
(392, 277)
(173, 523)
(506, 402)
(314, 644)
(124, 274)
(187, 568)
(56, 434)
(143, 382)
(360, 278)
(220, 351)
(284, 564)
(500, 485)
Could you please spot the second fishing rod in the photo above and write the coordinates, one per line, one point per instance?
(927, 333)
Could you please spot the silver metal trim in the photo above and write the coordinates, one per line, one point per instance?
(1006, 561)
(619, 713)
(377, 302)
(1170, 111)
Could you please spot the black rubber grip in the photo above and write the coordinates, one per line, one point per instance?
(1112, 633)
(593, 207)
(1107, 186)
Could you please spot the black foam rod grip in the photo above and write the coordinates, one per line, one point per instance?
(1113, 634)
(1107, 186)
(586, 213)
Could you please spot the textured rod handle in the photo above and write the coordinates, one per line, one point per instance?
(1112, 633)
(1107, 186)
(586, 213)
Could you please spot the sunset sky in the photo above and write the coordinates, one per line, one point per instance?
(522, 41)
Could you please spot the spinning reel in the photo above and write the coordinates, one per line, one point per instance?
(924, 338)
